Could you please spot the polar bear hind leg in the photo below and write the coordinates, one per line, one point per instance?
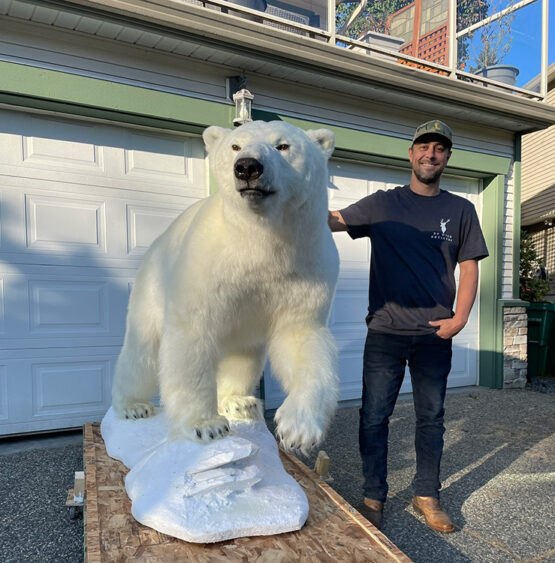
(238, 374)
(135, 379)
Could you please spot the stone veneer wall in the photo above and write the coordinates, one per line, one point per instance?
(515, 359)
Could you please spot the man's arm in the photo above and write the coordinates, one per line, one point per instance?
(335, 222)
(468, 285)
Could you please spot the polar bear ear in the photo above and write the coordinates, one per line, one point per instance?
(324, 138)
(211, 135)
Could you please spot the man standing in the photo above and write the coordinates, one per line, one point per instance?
(418, 233)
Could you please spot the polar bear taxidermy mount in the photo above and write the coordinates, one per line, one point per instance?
(245, 273)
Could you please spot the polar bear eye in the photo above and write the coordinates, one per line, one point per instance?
(282, 147)
(235, 148)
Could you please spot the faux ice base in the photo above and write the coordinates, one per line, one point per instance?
(230, 488)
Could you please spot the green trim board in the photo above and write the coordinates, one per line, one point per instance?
(517, 179)
(92, 97)
(53, 90)
(491, 274)
(355, 142)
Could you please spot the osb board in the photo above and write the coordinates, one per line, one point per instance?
(333, 532)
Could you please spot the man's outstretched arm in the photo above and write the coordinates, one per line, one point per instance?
(335, 222)
(468, 285)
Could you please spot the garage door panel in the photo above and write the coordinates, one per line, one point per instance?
(345, 313)
(145, 223)
(38, 309)
(68, 306)
(355, 254)
(74, 227)
(2, 307)
(3, 392)
(49, 389)
(62, 155)
(65, 224)
(65, 388)
(100, 155)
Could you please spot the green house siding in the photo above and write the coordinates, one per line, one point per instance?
(29, 87)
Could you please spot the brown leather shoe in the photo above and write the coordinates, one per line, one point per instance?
(372, 510)
(435, 516)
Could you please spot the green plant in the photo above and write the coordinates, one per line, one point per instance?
(495, 41)
(375, 14)
(532, 288)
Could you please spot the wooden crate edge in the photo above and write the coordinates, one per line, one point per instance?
(378, 539)
(90, 515)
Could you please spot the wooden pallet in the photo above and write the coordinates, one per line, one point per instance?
(334, 530)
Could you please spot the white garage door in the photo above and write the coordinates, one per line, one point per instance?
(79, 204)
(349, 183)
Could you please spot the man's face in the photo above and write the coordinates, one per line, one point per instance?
(428, 157)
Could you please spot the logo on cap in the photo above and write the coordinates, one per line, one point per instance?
(435, 127)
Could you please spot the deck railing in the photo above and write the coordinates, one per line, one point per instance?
(422, 45)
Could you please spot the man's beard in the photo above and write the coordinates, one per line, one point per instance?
(428, 179)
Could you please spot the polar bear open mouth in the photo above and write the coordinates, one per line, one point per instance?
(255, 192)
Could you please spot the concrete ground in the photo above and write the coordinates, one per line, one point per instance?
(498, 478)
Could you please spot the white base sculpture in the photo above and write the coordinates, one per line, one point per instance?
(230, 488)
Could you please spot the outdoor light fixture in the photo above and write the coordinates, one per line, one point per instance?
(236, 89)
(243, 107)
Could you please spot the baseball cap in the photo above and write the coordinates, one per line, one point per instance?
(434, 127)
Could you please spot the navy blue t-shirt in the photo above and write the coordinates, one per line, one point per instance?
(416, 244)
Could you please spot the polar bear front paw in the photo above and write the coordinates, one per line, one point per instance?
(296, 430)
(134, 410)
(203, 431)
(241, 407)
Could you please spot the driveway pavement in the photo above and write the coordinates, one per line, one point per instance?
(498, 476)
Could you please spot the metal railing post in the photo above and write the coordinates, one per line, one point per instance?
(331, 21)
(452, 38)
(544, 61)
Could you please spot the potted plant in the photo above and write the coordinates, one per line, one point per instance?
(495, 41)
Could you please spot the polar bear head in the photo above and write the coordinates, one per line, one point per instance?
(270, 167)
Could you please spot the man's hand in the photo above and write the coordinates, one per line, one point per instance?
(468, 284)
(448, 327)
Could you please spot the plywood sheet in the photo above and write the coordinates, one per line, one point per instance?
(333, 532)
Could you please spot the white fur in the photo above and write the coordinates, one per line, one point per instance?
(233, 280)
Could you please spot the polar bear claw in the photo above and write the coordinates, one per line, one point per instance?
(135, 410)
(241, 407)
(205, 431)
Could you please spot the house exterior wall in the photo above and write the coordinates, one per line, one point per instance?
(136, 85)
(174, 72)
(538, 172)
(538, 191)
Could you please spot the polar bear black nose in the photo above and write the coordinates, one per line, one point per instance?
(248, 169)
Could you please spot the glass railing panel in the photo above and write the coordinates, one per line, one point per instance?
(507, 49)
(417, 29)
(302, 14)
(312, 13)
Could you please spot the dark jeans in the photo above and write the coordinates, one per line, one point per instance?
(385, 358)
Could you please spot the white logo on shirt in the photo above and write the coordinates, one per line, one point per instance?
(442, 235)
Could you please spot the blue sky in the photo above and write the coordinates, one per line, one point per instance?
(525, 52)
